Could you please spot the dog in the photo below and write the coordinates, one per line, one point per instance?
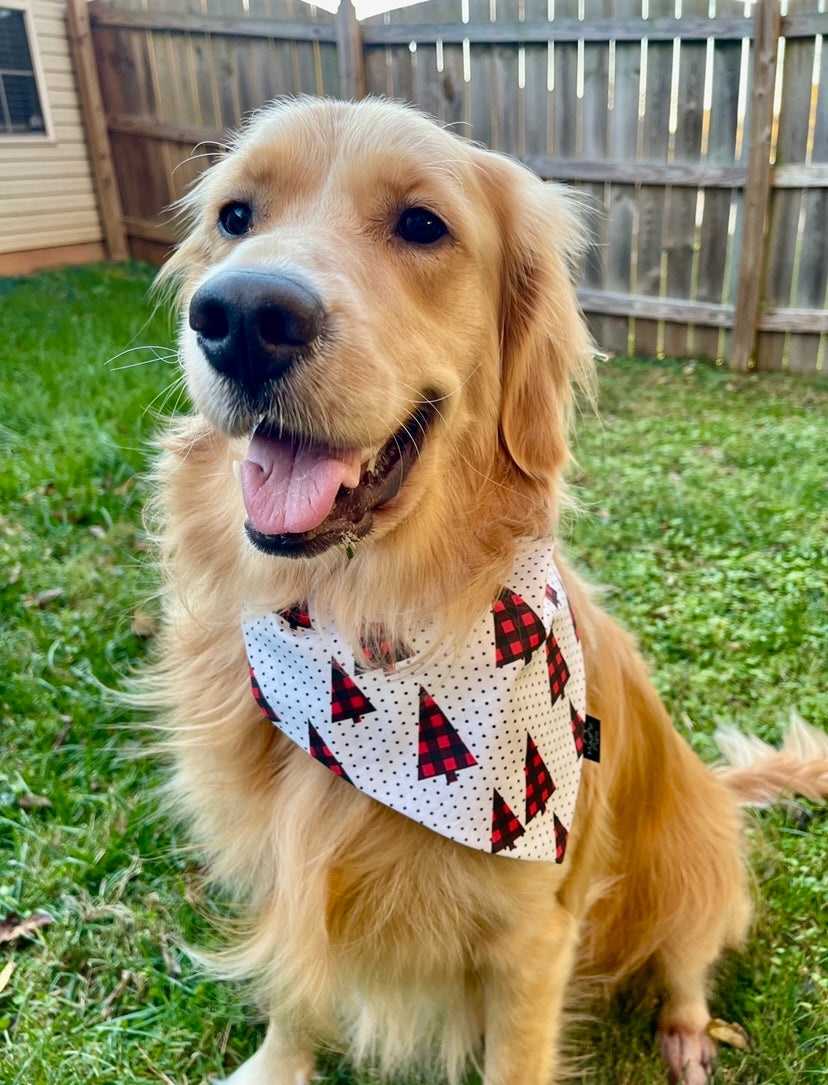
(383, 345)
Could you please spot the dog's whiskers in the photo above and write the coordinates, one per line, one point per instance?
(156, 353)
(485, 476)
(177, 388)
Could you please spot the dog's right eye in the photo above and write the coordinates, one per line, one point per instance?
(235, 218)
(419, 226)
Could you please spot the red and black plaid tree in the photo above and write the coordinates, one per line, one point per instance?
(561, 838)
(348, 702)
(318, 748)
(558, 670)
(551, 595)
(261, 700)
(518, 629)
(578, 726)
(506, 828)
(539, 784)
(441, 750)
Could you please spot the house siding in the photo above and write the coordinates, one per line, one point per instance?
(48, 205)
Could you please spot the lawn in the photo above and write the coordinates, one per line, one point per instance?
(703, 505)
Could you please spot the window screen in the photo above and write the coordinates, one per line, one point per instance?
(20, 110)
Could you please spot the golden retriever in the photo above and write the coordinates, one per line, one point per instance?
(381, 339)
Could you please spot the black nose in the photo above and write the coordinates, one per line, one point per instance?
(252, 325)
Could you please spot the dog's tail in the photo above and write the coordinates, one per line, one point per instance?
(759, 774)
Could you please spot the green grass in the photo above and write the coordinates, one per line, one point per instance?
(704, 506)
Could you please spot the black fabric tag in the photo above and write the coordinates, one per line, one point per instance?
(592, 739)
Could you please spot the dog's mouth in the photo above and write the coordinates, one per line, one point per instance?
(304, 496)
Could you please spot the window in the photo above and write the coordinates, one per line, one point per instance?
(20, 109)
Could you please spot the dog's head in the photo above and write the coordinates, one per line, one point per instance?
(384, 312)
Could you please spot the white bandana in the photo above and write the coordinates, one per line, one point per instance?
(483, 745)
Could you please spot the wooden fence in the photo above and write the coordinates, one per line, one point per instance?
(697, 129)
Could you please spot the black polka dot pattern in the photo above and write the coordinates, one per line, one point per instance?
(466, 742)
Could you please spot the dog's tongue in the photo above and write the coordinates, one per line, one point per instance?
(291, 488)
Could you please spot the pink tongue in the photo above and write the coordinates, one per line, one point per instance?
(290, 489)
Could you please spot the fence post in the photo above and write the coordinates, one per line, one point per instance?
(106, 183)
(349, 52)
(757, 185)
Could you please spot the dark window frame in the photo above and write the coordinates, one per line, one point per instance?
(23, 110)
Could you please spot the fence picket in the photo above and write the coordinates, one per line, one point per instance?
(621, 204)
(653, 200)
(536, 92)
(788, 212)
(724, 61)
(680, 220)
(757, 188)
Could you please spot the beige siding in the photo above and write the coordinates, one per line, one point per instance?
(47, 195)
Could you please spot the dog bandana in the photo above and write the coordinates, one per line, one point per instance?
(483, 745)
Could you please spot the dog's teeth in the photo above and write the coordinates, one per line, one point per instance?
(371, 466)
(237, 475)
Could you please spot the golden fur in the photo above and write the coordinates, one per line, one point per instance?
(362, 927)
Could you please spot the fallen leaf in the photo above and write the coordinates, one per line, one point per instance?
(13, 927)
(33, 802)
(144, 624)
(729, 1033)
(43, 599)
(6, 974)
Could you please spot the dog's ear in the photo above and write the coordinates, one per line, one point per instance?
(546, 348)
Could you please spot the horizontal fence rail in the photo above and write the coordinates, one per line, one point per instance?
(699, 142)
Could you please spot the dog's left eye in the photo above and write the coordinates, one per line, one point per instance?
(419, 226)
(235, 218)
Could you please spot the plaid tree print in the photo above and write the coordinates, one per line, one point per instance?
(318, 748)
(441, 750)
(558, 670)
(577, 729)
(348, 702)
(506, 828)
(539, 784)
(297, 616)
(551, 595)
(561, 839)
(518, 629)
(261, 700)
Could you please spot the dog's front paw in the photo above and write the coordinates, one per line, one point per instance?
(690, 1056)
(261, 1069)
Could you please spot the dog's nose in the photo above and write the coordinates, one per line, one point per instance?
(252, 325)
